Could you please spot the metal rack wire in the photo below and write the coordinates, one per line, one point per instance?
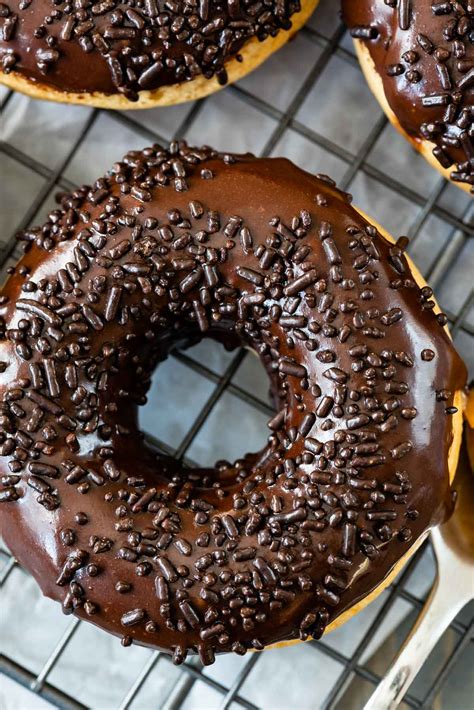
(461, 229)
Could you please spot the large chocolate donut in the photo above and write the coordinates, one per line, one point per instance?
(139, 53)
(171, 246)
(418, 57)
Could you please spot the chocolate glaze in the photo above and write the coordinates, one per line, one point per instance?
(114, 46)
(424, 54)
(177, 245)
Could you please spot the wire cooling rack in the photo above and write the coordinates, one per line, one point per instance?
(310, 103)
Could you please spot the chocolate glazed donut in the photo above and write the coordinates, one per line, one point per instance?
(149, 52)
(422, 54)
(172, 246)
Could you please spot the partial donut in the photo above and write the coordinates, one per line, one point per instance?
(129, 54)
(418, 58)
(170, 247)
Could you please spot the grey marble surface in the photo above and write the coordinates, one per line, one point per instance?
(339, 108)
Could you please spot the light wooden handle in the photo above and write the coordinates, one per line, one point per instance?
(440, 609)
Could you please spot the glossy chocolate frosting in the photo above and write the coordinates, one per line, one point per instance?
(172, 246)
(424, 53)
(124, 46)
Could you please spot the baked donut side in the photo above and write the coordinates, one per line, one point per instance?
(418, 60)
(144, 69)
(170, 247)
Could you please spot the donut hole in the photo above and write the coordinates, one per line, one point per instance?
(189, 412)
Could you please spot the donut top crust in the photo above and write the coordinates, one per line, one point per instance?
(170, 247)
(112, 46)
(424, 54)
